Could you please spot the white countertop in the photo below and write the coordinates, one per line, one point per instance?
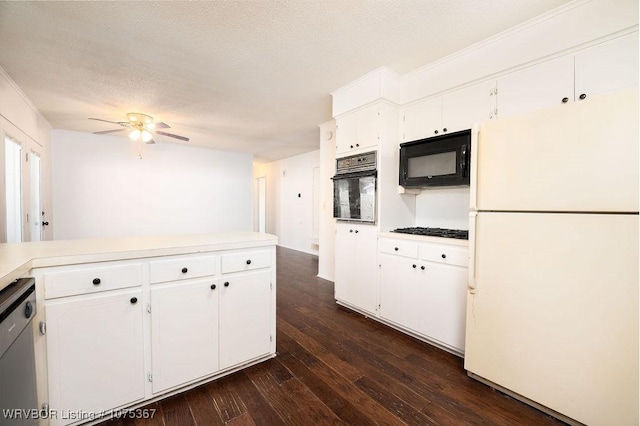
(424, 239)
(16, 259)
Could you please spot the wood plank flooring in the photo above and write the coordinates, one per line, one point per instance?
(335, 366)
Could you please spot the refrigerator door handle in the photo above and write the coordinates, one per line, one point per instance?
(471, 284)
(472, 167)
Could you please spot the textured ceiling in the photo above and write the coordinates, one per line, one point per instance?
(251, 76)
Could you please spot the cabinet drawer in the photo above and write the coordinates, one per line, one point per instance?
(181, 267)
(398, 247)
(91, 278)
(452, 255)
(246, 261)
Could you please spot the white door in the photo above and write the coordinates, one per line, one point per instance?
(184, 332)
(399, 277)
(262, 204)
(343, 260)
(554, 316)
(422, 120)
(465, 107)
(578, 157)
(365, 267)
(95, 353)
(607, 67)
(245, 317)
(540, 86)
(13, 179)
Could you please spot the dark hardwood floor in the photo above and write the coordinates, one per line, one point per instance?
(335, 366)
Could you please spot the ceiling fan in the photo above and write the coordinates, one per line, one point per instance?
(140, 126)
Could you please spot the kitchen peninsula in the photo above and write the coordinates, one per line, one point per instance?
(124, 321)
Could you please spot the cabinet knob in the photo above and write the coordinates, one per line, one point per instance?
(213, 286)
(444, 256)
(350, 230)
(565, 100)
(133, 300)
(444, 130)
(357, 145)
(96, 281)
(184, 270)
(436, 132)
(226, 283)
(248, 261)
(45, 223)
(356, 231)
(583, 96)
(414, 266)
(351, 146)
(396, 249)
(422, 267)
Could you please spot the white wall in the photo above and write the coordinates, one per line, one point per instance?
(326, 249)
(102, 189)
(289, 216)
(443, 208)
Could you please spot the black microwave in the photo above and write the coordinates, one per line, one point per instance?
(437, 161)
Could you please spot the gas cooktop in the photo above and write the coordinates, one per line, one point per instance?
(435, 232)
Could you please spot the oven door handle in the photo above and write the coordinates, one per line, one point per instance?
(363, 173)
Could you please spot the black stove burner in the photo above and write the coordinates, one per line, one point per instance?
(435, 232)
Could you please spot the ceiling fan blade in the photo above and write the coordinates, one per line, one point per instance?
(150, 142)
(104, 132)
(161, 125)
(171, 135)
(107, 121)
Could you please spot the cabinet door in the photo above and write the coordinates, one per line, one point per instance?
(95, 352)
(422, 120)
(536, 87)
(463, 108)
(442, 297)
(398, 285)
(367, 128)
(346, 133)
(356, 276)
(245, 317)
(607, 67)
(184, 332)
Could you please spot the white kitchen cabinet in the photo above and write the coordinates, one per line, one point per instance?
(607, 67)
(246, 312)
(425, 294)
(356, 266)
(452, 112)
(599, 69)
(184, 332)
(95, 352)
(357, 131)
(546, 84)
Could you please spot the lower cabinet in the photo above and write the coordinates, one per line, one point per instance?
(245, 317)
(422, 294)
(95, 353)
(356, 269)
(184, 332)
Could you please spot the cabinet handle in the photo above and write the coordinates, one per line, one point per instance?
(226, 284)
(414, 266)
(45, 223)
(565, 100)
(96, 281)
(444, 130)
(249, 262)
(444, 256)
(184, 270)
(422, 267)
(396, 249)
(583, 96)
(28, 309)
(213, 286)
(133, 300)
(436, 132)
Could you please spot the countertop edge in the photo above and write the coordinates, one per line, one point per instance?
(424, 239)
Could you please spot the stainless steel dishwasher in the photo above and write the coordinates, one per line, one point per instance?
(18, 398)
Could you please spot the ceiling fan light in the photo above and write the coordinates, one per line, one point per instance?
(134, 135)
(150, 126)
(146, 136)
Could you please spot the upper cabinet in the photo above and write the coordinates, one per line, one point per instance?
(448, 113)
(605, 67)
(357, 131)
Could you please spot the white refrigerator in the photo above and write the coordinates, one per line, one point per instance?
(552, 306)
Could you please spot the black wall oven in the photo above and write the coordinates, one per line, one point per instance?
(437, 161)
(354, 188)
